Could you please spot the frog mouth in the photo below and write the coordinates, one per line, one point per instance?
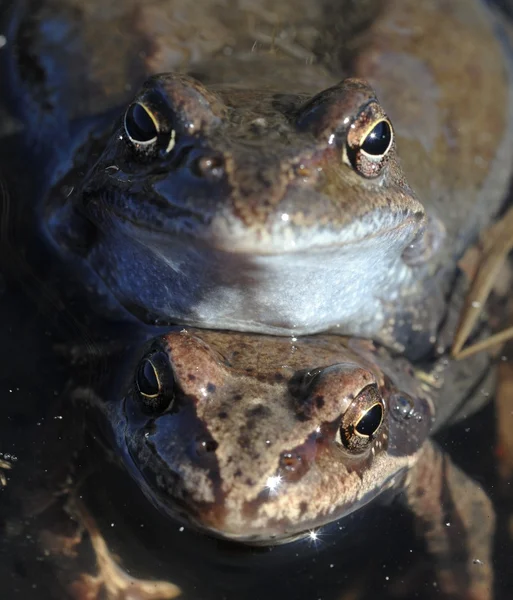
(279, 237)
(282, 239)
(245, 532)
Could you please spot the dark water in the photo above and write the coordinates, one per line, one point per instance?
(51, 340)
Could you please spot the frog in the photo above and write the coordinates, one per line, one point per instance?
(232, 248)
(261, 441)
(200, 210)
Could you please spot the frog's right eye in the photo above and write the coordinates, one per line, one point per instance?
(141, 125)
(378, 141)
(154, 383)
(370, 139)
(362, 421)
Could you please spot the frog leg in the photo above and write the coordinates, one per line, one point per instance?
(496, 250)
(457, 521)
(112, 582)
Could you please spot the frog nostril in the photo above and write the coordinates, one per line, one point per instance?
(290, 461)
(205, 445)
(292, 466)
(302, 171)
(209, 166)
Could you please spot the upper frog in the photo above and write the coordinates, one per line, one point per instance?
(198, 226)
(244, 198)
(248, 209)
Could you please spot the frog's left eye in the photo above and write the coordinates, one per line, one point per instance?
(154, 382)
(362, 421)
(141, 125)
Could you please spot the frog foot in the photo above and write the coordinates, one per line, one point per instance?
(111, 581)
(4, 466)
(498, 243)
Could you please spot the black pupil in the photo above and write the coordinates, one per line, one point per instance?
(370, 422)
(147, 381)
(139, 124)
(378, 140)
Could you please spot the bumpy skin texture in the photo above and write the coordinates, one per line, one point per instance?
(211, 248)
(246, 436)
(261, 439)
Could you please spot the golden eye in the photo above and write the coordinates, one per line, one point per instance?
(370, 421)
(154, 382)
(362, 421)
(378, 140)
(141, 125)
(370, 138)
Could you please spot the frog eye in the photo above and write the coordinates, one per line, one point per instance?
(154, 382)
(362, 421)
(370, 138)
(141, 125)
(378, 140)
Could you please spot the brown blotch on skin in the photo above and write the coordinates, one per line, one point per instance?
(260, 410)
(420, 492)
(319, 401)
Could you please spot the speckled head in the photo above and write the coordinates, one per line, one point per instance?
(234, 197)
(258, 439)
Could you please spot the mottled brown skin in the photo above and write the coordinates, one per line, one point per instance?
(256, 439)
(257, 401)
(215, 251)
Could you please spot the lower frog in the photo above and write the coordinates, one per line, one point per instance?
(261, 440)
